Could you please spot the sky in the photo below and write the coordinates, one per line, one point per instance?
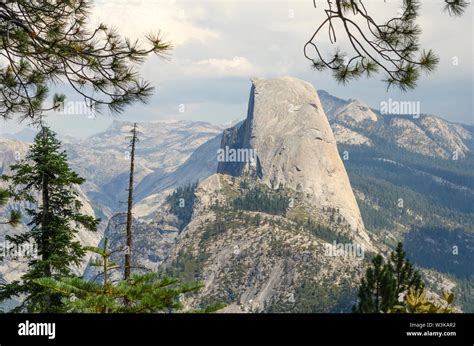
(219, 45)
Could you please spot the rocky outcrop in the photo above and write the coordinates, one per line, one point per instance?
(287, 130)
(356, 112)
(450, 138)
(151, 244)
(11, 151)
(258, 262)
(430, 136)
(349, 137)
(427, 135)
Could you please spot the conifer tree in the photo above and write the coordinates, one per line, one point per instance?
(45, 179)
(377, 289)
(385, 282)
(44, 43)
(140, 293)
(15, 216)
(181, 203)
(391, 47)
(405, 275)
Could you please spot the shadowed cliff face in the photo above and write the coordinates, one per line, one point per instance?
(294, 146)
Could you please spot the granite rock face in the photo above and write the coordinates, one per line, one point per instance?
(294, 146)
(259, 262)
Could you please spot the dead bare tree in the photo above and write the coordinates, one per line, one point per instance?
(128, 254)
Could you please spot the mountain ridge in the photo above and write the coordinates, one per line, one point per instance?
(368, 149)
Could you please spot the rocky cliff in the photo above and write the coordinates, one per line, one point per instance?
(261, 227)
(287, 130)
(355, 123)
(256, 261)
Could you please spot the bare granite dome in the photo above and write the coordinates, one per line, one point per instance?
(294, 145)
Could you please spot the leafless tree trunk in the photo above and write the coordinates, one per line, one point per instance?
(128, 254)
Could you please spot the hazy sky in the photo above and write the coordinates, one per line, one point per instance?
(221, 44)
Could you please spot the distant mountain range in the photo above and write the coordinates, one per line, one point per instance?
(26, 135)
(407, 175)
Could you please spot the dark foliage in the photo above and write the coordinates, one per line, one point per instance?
(182, 203)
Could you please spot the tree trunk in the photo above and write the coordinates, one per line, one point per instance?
(128, 254)
(45, 251)
(53, 300)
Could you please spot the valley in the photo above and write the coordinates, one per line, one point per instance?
(254, 232)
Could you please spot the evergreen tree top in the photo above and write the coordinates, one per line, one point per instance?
(45, 179)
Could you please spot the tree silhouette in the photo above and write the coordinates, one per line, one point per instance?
(391, 47)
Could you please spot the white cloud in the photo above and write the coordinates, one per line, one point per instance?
(137, 18)
(235, 67)
(267, 39)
